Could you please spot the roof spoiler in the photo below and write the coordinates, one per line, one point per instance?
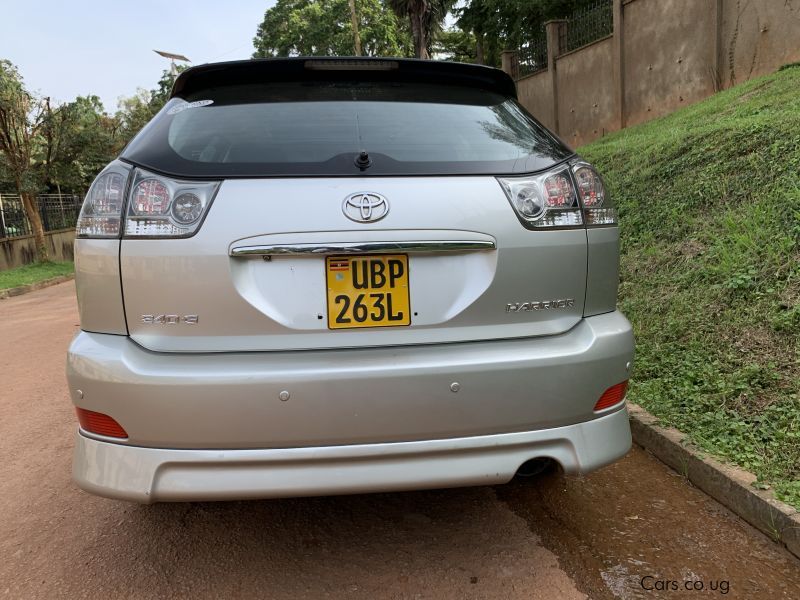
(410, 70)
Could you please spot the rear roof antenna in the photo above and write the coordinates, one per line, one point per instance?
(363, 161)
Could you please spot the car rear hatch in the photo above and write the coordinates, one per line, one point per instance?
(349, 204)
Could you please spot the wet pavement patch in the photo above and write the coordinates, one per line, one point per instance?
(639, 530)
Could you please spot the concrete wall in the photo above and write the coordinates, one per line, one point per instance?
(535, 92)
(757, 37)
(15, 252)
(663, 55)
(586, 93)
(669, 49)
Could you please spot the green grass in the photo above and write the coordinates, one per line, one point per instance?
(709, 201)
(33, 273)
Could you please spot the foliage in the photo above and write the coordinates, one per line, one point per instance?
(21, 119)
(412, 27)
(61, 148)
(506, 24)
(21, 124)
(425, 18)
(135, 112)
(709, 201)
(6, 179)
(324, 28)
(79, 141)
(33, 273)
(456, 45)
(160, 95)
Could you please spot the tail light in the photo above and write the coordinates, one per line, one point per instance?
(612, 396)
(544, 201)
(156, 206)
(166, 208)
(101, 213)
(558, 199)
(99, 423)
(597, 206)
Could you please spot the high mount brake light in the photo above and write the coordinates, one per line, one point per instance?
(351, 65)
(101, 213)
(166, 208)
(544, 201)
(597, 206)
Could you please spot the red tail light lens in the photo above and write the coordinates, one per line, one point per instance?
(166, 208)
(597, 206)
(590, 187)
(95, 422)
(150, 197)
(559, 191)
(613, 395)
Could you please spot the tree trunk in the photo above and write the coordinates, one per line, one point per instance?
(354, 21)
(35, 219)
(479, 56)
(423, 51)
(418, 33)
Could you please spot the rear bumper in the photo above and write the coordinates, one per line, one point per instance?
(156, 475)
(345, 397)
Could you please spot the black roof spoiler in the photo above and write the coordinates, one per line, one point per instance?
(211, 75)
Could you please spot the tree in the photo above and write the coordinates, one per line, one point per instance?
(325, 28)
(135, 112)
(6, 180)
(21, 121)
(160, 95)
(62, 147)
(425, 17)
(456, 45)
(79, 139)
(354, 24)
(499, 25)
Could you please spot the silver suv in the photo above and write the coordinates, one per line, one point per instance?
(329, 276)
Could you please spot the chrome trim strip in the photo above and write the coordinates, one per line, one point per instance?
(362, 248)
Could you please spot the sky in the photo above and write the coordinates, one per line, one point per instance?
(65, 49)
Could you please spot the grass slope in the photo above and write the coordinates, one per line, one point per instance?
(33, 273)
(709, 201)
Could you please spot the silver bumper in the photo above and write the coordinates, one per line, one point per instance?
(346, 397)
(214, 426)
(156, 475)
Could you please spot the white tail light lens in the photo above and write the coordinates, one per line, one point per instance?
(163, 207)
(597, 206)
(544, 201)
(101, 213)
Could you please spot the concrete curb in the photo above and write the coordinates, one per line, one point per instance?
(32, 287)
(730, 486)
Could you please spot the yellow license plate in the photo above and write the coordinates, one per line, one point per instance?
(367, 291)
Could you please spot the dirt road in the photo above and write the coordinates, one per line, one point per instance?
(621, 532)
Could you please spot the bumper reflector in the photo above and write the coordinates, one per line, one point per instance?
(613, 395)
(95, 422)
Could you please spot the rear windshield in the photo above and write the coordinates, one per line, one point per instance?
(320, 128)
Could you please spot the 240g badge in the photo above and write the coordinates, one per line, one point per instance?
(170, 319)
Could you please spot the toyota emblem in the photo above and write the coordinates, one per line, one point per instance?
(365, 207)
